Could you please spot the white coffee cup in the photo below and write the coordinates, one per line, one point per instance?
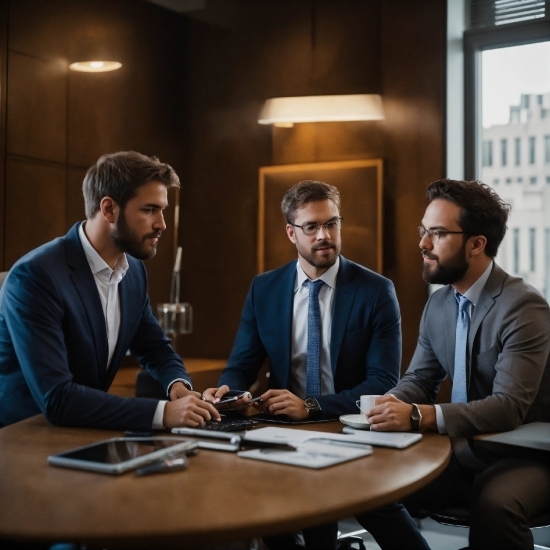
(366, 403)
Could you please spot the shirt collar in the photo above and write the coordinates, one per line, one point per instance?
(96, 262)
(474, 292)
(328, 277)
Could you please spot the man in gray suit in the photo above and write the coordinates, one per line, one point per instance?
(490, 333)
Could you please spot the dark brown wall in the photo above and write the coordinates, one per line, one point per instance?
(59, 122)
(239, 53)
(190, 91)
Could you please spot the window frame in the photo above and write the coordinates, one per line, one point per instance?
(475, 42)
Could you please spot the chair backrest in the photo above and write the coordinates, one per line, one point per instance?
(3, 275)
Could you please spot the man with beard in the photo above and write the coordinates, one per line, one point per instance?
(70, 309)
(329, 327)
(487, 331)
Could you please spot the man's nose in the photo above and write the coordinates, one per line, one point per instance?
(322, 233)
(160, 224)
(425, 242)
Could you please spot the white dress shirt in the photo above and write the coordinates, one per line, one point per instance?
(107, 281)
(298, 361)
(473, 294)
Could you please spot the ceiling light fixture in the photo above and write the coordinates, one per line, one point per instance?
(287, 111)
(93, 54)
(95, 66)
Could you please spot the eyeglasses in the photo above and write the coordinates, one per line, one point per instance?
(435, 234)
(310, 229)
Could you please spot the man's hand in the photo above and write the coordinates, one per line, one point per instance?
(283, 402)
(214, 395)
(393, 415)
(179, 390)
(191, 411)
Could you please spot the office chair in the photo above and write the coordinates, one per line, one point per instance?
(458, 516)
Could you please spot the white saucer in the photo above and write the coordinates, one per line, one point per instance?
(358, 421)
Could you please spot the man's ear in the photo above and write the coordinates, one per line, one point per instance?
(109, 209)
(291, 233)
(479, 243)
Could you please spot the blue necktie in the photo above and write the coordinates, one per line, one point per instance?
(459, 393)
(313, 386)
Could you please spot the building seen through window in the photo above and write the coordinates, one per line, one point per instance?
(519, 135)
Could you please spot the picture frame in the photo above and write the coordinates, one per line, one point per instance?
(360, 183)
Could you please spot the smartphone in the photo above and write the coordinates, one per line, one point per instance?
(231, 398)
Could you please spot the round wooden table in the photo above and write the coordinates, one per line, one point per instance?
(219, 498)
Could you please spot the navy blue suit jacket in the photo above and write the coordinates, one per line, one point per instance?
(53, 342)
(365, 346)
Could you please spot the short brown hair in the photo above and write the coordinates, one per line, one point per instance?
(307, 191)
(483, 211)
(119, 175)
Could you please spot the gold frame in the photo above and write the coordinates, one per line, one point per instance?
(348, 176)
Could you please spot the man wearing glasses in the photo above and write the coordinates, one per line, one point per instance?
(489, 332)
(330, 328)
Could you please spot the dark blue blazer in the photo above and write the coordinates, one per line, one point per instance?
(365, 347)
(53, 342)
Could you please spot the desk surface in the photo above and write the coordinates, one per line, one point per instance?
(220, 497)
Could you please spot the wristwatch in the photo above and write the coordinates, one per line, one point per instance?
(313, 408)
(416, 417)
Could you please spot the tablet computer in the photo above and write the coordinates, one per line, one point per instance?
(118, 455)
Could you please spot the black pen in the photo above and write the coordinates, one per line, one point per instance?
(163, 466)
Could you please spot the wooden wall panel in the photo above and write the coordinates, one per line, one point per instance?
(70, 119)
(413, 46)
(37, 108)
(35, 206)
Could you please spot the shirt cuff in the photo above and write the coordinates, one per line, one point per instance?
(440, 420)
(159, 416)
(186, 382)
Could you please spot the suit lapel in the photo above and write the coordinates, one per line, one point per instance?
(284, 299)
(493, 287)
(344, 296)
(450, 314)
(125, 291)
(86, 288)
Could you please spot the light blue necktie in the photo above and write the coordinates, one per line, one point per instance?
(459, 393)
(313, 386)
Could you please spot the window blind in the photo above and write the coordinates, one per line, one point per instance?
(489, 13)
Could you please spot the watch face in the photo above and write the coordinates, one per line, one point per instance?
(310, 404)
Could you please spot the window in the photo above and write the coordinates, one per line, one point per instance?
(487, 153)
(508, 180)
(496, 181)
(507, 101)
(547, 179)
(532, 150)
(532, 245)
(516, 250)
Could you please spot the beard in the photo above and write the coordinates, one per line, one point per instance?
(448, 272)
(320, 262)
(129, 242)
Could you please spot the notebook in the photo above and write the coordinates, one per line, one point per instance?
(295, 437)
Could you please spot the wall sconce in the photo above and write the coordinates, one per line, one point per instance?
(286, 111)
(91, 55)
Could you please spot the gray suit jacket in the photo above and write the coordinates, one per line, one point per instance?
(508, 356)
